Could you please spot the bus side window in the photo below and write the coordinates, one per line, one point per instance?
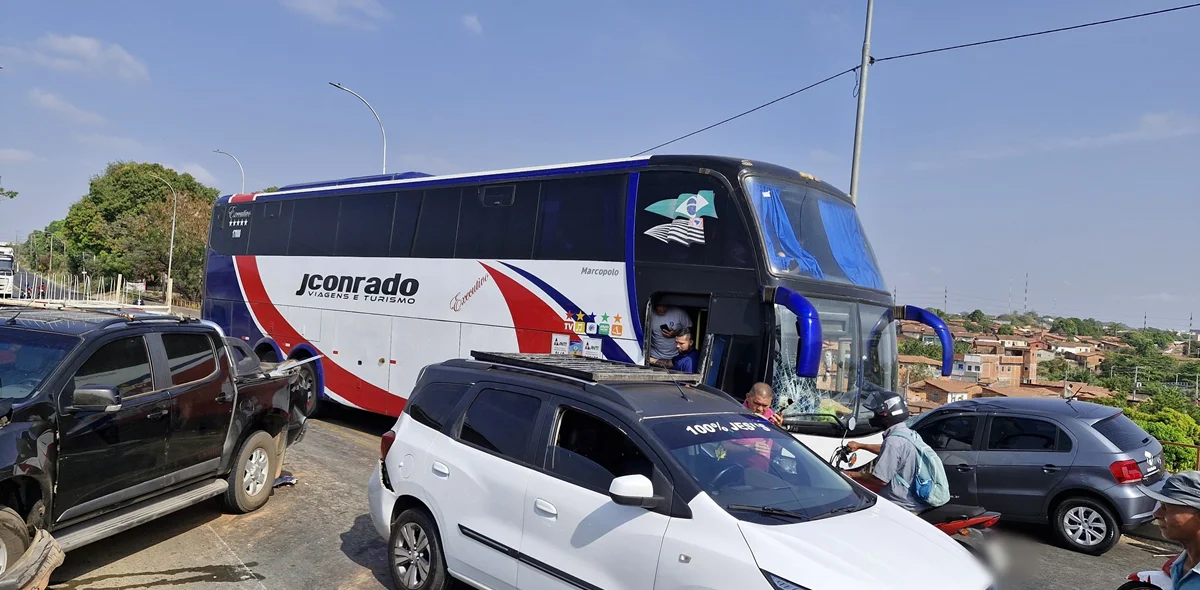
(404, 222)
(689, 218)
(365, 225)
(582, 219)
(270, 228)
(437, 227)
(494, 227)
(314, 226)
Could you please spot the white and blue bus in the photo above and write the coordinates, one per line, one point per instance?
(383, 275)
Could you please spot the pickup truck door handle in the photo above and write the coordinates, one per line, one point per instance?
(545, 507)
(963, 468)
(441, 469)
(224, 397)
(1051, 468)
(159, 415)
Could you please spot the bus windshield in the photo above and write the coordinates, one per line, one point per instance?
(812, 234)
(858, 354)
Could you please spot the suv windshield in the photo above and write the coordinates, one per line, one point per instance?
(858, 354)
(765, 474)
(27, 357)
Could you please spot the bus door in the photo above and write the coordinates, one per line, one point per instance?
(733, 345)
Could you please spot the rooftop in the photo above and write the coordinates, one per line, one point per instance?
(948, 385)
(912, 359)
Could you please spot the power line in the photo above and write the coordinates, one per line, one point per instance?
(744, 113)
(920, 53)
(1038, 33)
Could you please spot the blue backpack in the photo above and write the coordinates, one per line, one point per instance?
(930, 483)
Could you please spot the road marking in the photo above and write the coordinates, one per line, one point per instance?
(248, 571)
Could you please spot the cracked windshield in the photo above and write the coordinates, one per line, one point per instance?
(858, 353)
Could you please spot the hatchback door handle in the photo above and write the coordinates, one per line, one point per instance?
(963, 468)
(545, 507)
(441, 469)
(1051, 468)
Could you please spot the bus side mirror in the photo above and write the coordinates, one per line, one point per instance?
(808, 327)
(912, 312)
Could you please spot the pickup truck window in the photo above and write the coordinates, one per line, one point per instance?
(27, 357)
(190, 357)
(123, 364)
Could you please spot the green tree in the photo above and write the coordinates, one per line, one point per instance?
(978, 317)
(7, 194)
(1005, 329)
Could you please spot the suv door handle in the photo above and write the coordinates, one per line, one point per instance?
(441, 469)
(545, 507)
(963, 468)
(159, 415)
(1051, 468)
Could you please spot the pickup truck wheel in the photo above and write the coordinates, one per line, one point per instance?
(253, 474)
(14, 538)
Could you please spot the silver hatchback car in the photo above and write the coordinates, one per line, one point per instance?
(1072, 464)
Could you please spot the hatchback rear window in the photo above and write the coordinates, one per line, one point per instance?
(1122, 432)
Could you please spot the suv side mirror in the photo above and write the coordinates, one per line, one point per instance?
(95, 399)
(634, 490)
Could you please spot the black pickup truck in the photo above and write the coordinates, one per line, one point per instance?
(110, 419)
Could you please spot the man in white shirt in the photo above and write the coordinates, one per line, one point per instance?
(665, 324)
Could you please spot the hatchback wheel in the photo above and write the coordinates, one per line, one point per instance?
(416, 553)
(1086, 526)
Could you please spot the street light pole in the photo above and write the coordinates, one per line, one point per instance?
(171, 250)
(339, 86)
(239, 163)
(862, 103)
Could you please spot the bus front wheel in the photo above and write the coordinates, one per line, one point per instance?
(304, 391)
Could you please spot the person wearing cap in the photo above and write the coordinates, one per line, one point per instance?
(1178, 516)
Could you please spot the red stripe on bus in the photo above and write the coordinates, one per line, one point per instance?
(537, 319)
(346, 384)
(242, 198)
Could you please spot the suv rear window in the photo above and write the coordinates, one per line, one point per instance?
(1122, 432)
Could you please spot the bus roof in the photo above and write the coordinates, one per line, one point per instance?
(728, 166)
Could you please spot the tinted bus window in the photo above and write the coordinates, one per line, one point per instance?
(365, 224)
(438, 225)
(225, 238)
(582, 219)
(270, 227)
(404, 223)
(314, 227)
(497, 223)
(689, 218)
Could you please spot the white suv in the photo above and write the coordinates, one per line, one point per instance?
(551, 471)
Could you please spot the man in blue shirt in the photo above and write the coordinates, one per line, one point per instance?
(1178, 516)
(685, 361)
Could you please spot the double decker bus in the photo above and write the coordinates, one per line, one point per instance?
(382, 275)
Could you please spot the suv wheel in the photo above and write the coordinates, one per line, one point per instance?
(416, 553)
(1086, 526)
(253, 474)
(14, 538)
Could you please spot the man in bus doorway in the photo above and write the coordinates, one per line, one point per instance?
(687, 358)
(665, 324)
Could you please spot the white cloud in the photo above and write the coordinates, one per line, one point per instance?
(199, 172)
(52, 102)
(358, 14)
(1150, 127)
(108, 142)
(471, 23)
(13, 155)
(1162, 297)
(84, 55)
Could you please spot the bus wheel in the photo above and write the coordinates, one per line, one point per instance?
(304, 391)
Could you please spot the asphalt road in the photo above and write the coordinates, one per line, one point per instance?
(317, 534)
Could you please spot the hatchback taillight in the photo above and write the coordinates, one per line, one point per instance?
(1126, 471)
(389, 437)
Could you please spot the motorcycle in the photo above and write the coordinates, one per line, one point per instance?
(971, 526)
(1159, 579)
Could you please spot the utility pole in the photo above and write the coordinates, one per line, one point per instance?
(1136, 370)
(1026, 308)
(862, 103)
(1144, 315)
(1191, 334)
(945, 299)
(1010, 307)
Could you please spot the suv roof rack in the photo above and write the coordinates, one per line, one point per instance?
(585, 368)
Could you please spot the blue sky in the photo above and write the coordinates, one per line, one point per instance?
(1071, 157)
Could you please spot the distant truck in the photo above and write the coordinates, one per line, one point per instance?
(7, 278)
(111, 419)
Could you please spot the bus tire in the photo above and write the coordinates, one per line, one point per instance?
(304, 392)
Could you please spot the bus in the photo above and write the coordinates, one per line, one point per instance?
(7, 271)
(380, 276)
